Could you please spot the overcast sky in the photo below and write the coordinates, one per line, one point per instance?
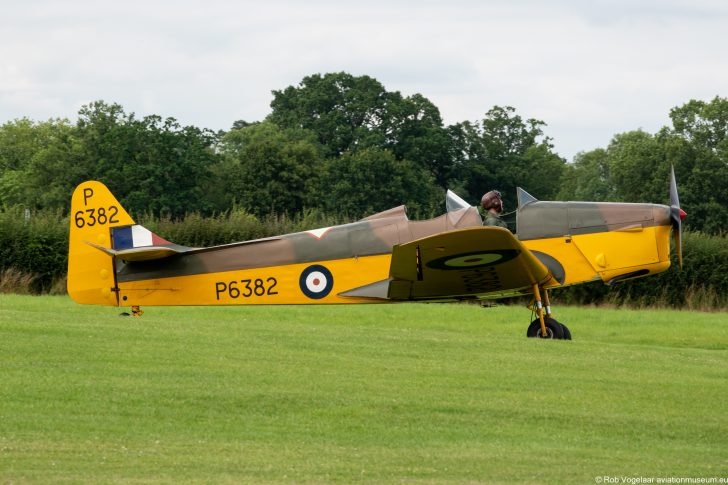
(589, 69)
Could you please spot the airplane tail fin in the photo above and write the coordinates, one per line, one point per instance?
(94, 212)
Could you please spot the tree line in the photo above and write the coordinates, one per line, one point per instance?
(344, 145)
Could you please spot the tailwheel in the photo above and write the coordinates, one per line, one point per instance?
(554, 330)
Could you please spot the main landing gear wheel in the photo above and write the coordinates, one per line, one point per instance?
(554, 330)
(567, 332)
(545, 326)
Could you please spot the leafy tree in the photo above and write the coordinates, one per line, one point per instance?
(371, 180)
(349, 113)
(341, 109)
(268, 169)
(704, 124)
(37, 163)
(587, 178)
(503, 151)
(697, 144)
(153, 164)
(637, 167)
(19, 141)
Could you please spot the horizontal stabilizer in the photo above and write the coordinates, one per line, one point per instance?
(145, 253)
(158, 251)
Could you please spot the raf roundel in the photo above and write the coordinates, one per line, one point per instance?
(478, 259)
(316, 281)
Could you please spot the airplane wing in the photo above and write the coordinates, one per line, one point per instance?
(475, 262)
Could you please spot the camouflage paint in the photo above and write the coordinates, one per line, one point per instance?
(375, 235)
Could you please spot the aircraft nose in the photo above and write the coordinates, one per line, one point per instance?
(661, 213)
(683, 214)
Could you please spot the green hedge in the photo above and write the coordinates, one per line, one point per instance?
(36, 245)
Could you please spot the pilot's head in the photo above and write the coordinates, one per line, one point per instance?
(492, 200)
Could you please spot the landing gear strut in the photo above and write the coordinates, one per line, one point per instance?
(545, 326)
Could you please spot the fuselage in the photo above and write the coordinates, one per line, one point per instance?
(577, 241)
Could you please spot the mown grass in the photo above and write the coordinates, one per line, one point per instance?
(375, 394)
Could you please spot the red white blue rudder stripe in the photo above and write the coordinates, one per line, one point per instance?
(136, 236)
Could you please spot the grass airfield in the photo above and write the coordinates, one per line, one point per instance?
(409, 393)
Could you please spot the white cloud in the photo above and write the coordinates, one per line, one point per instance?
(589, 69)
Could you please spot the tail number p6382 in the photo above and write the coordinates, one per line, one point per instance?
(245, 288)
(94, 215)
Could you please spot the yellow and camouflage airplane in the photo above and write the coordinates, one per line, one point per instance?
(383, 258)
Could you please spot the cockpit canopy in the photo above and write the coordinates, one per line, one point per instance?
(536, 219)
(454, 202)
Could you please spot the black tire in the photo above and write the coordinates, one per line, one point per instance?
(567, 332)
(553, 328)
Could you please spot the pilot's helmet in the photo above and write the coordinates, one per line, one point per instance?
(492, 200)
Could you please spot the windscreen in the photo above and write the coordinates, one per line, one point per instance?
(454, 202)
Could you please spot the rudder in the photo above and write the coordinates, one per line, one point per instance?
(94, 211)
